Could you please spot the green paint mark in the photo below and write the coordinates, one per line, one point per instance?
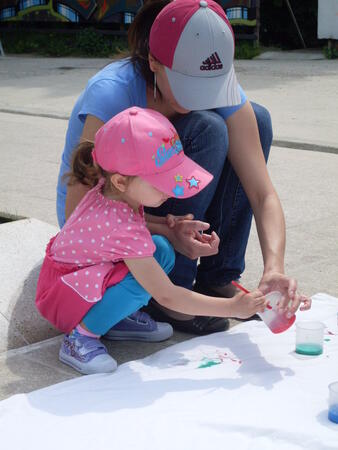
(327, 340)
(208, 363)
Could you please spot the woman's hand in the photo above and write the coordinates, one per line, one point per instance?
(291, 299)
(187, 237)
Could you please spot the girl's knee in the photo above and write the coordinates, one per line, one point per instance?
(164, 254)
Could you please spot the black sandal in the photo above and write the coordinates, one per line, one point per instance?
(200, 325)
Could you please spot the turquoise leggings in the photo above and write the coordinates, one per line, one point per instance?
(128, 296)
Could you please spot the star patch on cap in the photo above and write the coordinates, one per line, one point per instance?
(193, 182)
(178, 191)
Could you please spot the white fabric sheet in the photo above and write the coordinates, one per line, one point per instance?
(242, 389)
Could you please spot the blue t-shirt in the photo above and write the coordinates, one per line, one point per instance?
(114, 88)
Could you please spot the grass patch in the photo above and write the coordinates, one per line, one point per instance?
(86, 42)
(331, 52)
(246, 50)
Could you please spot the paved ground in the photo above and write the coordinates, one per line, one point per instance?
(36, 97)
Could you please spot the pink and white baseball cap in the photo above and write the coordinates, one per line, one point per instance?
(142, 142)
(194, 40)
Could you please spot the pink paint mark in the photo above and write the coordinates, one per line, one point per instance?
(223, 356)
(268, 306)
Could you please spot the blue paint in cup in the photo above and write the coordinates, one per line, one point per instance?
(333, 402)
(333, 413)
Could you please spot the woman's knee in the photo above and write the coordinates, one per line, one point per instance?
(164, 254)
(264, 123)
(205, 128)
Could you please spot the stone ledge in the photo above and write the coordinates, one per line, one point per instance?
(22, 248)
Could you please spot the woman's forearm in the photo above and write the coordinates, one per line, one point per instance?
(246, 157)
(270, 224)
(75, 194)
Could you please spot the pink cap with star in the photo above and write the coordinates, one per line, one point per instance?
(142, 142)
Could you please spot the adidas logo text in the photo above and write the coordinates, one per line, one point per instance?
(212, 63)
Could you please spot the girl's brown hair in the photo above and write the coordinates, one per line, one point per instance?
(85, 171)
(138, 37)
(83, 168)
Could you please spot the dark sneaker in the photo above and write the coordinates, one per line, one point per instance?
(139, 327)
(200, 325)
(225, 291)
(85, 354)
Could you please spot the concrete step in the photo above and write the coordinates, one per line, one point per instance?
(22, 248)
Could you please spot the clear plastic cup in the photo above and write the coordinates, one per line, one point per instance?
(333, 402)
(309, 338)
(277, 321)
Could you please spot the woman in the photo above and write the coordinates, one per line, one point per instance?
(182, 66)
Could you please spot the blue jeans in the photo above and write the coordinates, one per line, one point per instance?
(128, 296)
(223, 203)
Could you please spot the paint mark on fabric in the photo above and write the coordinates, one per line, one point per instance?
(219, 358)
(208, 363)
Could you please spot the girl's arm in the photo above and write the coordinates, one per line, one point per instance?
(247, 159)
(77, 191)
(154, 280)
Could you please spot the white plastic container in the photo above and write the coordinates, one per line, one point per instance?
(277, 321)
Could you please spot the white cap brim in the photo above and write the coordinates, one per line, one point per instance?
(200, 93)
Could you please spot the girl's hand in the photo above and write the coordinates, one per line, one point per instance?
(186, 236)
(246, 305)
(291, 299)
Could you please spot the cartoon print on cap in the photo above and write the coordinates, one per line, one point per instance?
(163, 154)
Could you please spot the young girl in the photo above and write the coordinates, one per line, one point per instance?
(104, 264)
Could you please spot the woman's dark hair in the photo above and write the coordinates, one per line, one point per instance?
(138, 37)
(83, 169)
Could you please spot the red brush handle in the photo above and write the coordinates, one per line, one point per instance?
(239, 286)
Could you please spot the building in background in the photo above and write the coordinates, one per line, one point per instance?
(243, 14)
(71, 11)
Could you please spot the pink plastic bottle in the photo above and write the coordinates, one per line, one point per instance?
(277, 321)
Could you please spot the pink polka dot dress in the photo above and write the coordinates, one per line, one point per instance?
(87, 255)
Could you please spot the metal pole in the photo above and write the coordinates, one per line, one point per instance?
(2, 53)
(258, 19)
(295, 22)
